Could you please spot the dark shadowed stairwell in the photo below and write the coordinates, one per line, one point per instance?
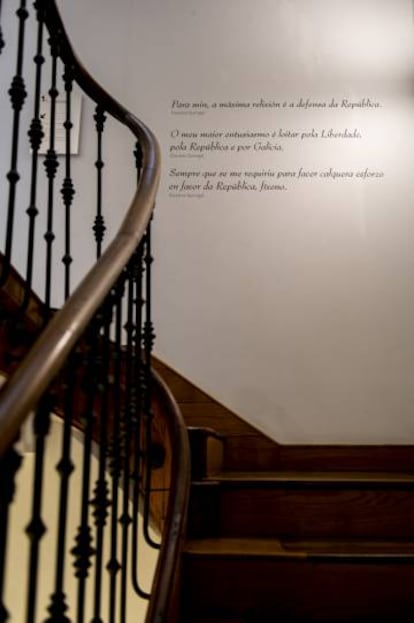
(321, 534)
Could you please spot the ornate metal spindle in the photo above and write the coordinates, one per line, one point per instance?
(36, 528)
(149, 337)
(138, 384)
(125, 518)
(137, 450)
(138, 160)
(101, 501)
(67, 187)
(9, 464)
(1, 33)
(35, 136)
(51, 165)
(17, 94)
(99, 226)
(114, 565)
(58, 606)
(83, 549)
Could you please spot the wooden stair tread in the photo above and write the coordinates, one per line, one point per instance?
(293, 478)
(302, 549)
(205, 430)
(235, 547)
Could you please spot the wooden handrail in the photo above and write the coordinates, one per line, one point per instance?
(167, 570)
(21, 393)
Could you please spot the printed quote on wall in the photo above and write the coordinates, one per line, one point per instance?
(266, 146)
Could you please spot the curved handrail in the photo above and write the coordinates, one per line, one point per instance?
(168, 560)
(21, 393)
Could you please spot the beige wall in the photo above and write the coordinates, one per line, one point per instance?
(295, 309)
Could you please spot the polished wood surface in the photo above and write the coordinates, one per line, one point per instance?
(260, 589)
(366, 549)
(276, 509)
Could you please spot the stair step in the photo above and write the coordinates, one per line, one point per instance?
(206, 446)
(317, 479)
(267, 580)
(217, 620)
(202, 619)
(304, 505)
(357, 550)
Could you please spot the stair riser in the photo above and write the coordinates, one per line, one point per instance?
(301, 513)
(262, 590)
(206, 453)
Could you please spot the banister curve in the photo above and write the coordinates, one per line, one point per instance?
(22, 391)
(168, 561)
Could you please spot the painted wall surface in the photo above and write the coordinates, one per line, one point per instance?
(284, 273)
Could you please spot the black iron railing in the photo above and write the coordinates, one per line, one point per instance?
(91, 363)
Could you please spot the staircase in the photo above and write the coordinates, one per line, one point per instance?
(292, 534)
(325, 534)
(76, 337)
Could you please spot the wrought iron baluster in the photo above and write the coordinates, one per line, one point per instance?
(99, 225)
(148, 337)
(83, 550)
(115, 465)
(101, 501)
(18, 95)
(36, 527)
(67, 187)
(138, 468)
(138, 160)
(51, 165)
(125, 519)
(58, 606)
(1, 33)
(9, 464)
(99, 357)
(35, 136)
